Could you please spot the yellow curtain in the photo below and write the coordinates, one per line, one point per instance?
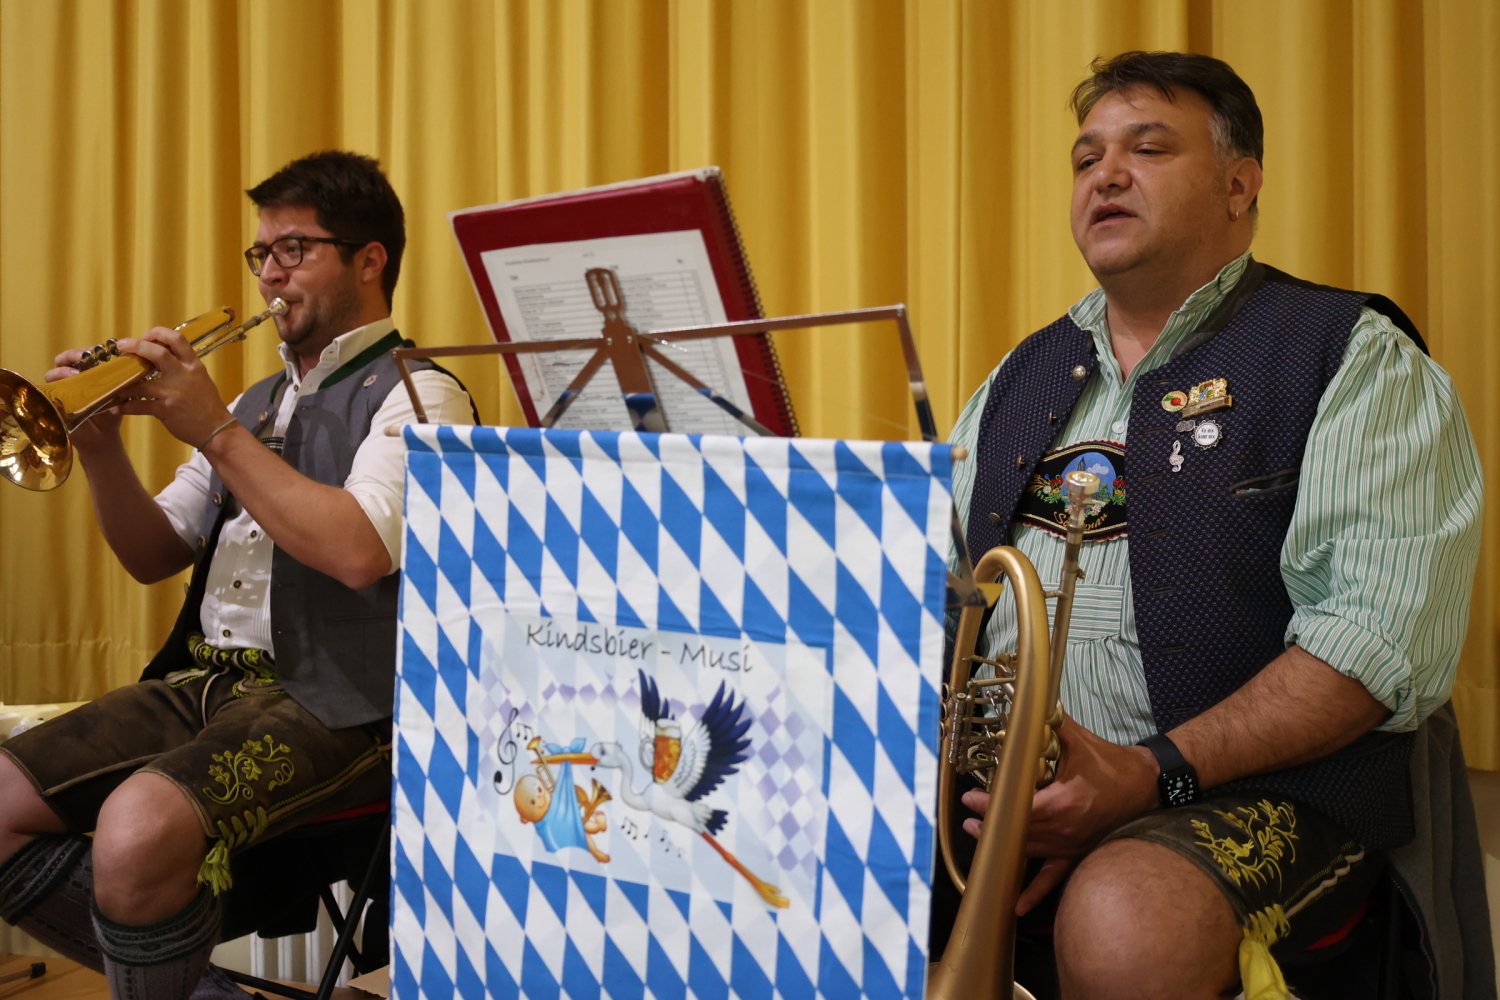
(876, 151)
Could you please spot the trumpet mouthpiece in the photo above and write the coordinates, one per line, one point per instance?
(277, 307)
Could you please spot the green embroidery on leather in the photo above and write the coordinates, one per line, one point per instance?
(257, 666)
(236, 772)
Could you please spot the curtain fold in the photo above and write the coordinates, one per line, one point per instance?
(876, 151)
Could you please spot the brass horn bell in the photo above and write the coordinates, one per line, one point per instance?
(36, 421)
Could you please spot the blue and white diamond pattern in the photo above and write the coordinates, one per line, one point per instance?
(836, 545)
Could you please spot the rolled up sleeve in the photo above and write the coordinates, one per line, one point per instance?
(184, 498)
(377, 477)
(1380, 556)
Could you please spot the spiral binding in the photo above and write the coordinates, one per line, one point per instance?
(747, 286)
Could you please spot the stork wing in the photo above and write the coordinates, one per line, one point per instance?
(690, 763)
(718, 745)
(652, 705)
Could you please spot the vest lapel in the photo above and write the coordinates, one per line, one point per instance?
(1030, 399)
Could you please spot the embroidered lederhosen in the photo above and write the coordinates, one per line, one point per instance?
(250, 759)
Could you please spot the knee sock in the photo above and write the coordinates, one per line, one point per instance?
(161, 961)
(47, 890)
(215, 984)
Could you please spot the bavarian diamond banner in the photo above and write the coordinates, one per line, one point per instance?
(667, 715)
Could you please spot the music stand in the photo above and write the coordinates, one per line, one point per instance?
(626, 349)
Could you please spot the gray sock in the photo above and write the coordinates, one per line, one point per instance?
(161, 961)
(47, 890)
(215, 984)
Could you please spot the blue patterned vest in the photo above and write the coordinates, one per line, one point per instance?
(1211, 608)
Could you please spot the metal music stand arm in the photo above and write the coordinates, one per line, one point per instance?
(962, 583)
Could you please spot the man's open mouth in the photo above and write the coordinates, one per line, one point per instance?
(1106, 212)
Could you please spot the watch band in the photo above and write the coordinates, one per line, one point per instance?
(1178, 782)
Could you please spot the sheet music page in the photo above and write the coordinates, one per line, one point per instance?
(667, 282)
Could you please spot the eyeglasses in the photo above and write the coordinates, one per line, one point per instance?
(288, 251)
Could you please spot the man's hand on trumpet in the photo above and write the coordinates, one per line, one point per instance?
(180, 393)
(1099, 786)
(96, 432)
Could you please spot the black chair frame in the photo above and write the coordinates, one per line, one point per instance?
(345, 923)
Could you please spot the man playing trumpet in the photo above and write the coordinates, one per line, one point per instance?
(270, 703)
(1255, 644)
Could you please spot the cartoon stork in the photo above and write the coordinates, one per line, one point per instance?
(684, 769)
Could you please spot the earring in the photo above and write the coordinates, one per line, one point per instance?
(1234, 216)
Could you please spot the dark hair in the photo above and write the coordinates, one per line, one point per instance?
(353, 199)
(1237, 126)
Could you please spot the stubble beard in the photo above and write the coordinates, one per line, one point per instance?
(1115, 258)
(324, 317)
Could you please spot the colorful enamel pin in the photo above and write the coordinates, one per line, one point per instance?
(1206, 397)
(1174, 401)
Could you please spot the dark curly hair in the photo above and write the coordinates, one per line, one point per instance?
(1237, 126)
(352, 197)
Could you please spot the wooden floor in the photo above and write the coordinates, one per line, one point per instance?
(67, 980)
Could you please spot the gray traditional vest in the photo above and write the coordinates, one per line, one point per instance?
(335, 647)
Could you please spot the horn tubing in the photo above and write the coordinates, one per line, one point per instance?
(980, 957)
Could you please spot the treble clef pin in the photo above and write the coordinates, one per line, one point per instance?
(1175, 459)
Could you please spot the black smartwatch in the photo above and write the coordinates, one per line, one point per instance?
(1178, 782)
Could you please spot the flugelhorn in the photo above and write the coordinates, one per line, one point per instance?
(1003, 731)
(36, 421)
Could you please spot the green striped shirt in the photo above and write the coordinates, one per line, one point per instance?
(1381, 550)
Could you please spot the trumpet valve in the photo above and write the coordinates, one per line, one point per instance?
(98, 354)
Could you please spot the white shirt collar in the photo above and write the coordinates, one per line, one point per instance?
(335, 354)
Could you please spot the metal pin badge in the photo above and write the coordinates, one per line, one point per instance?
(1183, 426)
(1174, 401)
(1175, 459)
(1207, 433)
(1207, 396)
(1080, 373)
(370, 381)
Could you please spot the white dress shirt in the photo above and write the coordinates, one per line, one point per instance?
(236, 609)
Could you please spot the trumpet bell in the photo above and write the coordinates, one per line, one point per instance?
(34, 449)
(35, 421)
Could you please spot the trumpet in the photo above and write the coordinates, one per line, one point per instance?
(36, 421)
(1003, 731)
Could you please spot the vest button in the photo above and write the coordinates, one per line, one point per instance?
(1020, 461)
(1080, 373)
(218, 500)
(202, 541)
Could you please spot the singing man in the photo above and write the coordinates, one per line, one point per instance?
(270, 703)
(1281, 597)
